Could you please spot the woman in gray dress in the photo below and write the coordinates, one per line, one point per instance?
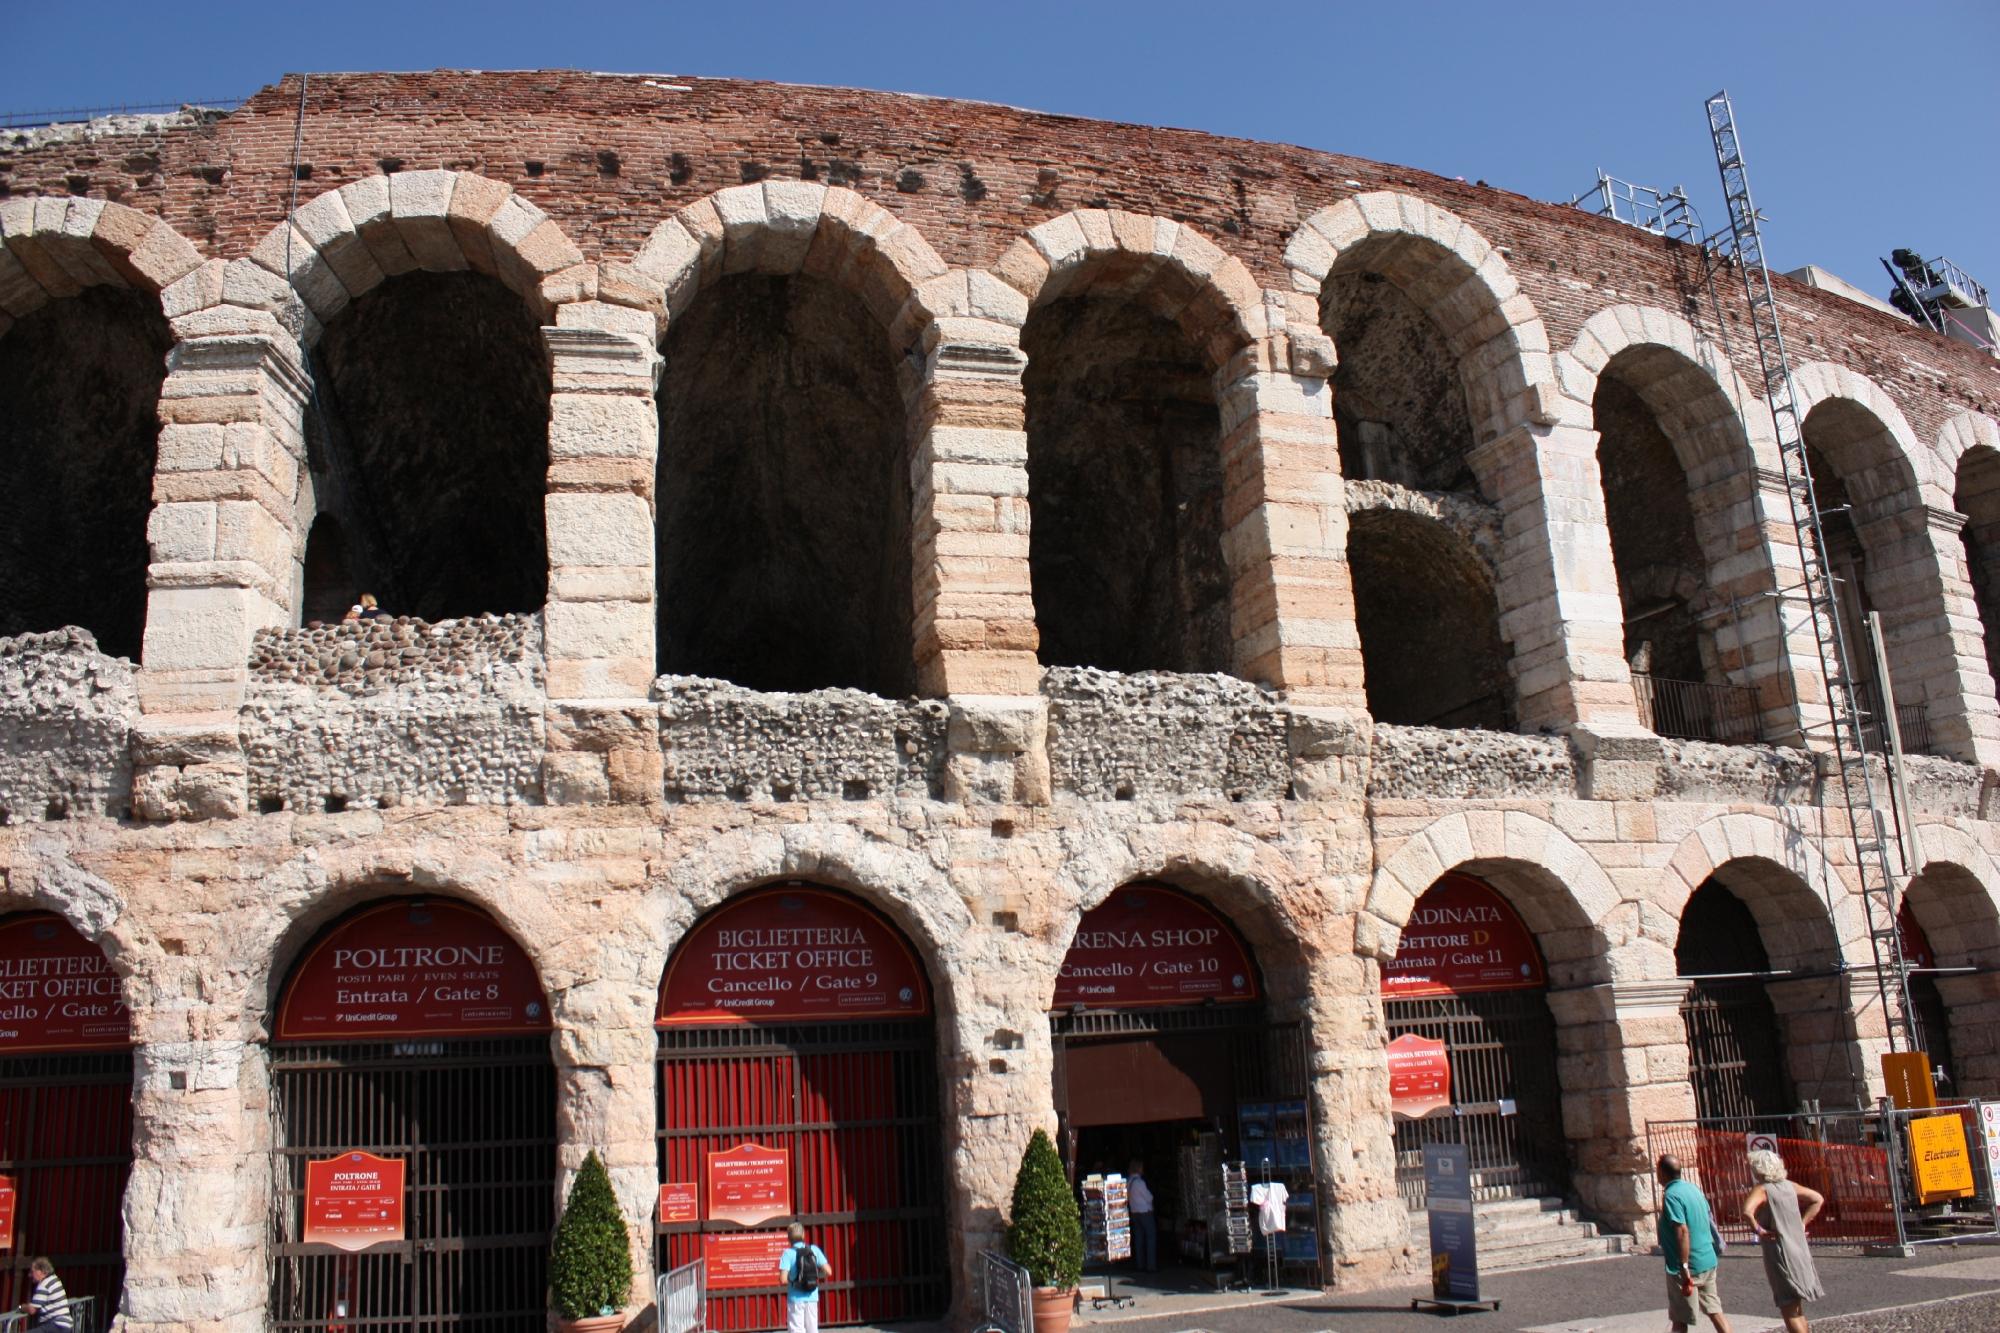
(1774, 1210)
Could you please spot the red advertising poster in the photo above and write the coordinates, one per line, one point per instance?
(354, 1201)
(1150, 944)
(57, 990)
(1917, 950)
(680, 1201)
(1463, 937)
(749, 1184)
(1419, 1076)
(7, 1196)
(791, 952)
(742, 1258)
(410, 968)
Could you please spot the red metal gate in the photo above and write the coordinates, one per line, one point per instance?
(66, 1139)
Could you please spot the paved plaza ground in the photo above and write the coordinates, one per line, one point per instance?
(1938, 1290)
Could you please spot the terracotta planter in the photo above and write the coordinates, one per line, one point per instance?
(1053, 1308)
(597, 1323)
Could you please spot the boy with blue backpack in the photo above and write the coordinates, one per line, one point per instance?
(803, 1267)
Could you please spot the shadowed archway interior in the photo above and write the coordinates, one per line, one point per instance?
(79, 424)
(1125, 482)
(1429, 624)
(429, 445)
(783, 492)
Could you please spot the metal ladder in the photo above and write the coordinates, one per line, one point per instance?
(1853, 782)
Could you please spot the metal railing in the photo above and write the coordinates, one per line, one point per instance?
(30, 120)
(1662, 212)
(1913, 720)
(1693, 710)
(1006, 1295)
(681, 1297)
(82, 1313)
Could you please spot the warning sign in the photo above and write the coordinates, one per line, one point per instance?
(1939, 1159)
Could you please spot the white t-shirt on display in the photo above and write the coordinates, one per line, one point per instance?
(1269, 1201)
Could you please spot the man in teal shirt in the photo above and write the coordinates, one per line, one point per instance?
(1687, 1238)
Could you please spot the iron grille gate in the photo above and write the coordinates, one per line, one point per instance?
(475, 1123)
(1502, 1047)
(66, 1138)
(857, 1106)
(1268, 1061)
(1734, 1058)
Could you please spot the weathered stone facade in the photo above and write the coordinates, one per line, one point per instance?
(203, 812)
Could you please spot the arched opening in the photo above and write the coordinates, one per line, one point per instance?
(428, 439)
(415, 1030)
(1166, 1054)
(1930, 1018)
(783, 492)
(1424, 607)
(65, 1110)
(1125, 487)
(1736, 1055)
(79, 424)
(1399, 405)
(1489, 1007)
(1978, 498)
(1862, 483)
(1951, 943)
(329, 587)
(797, 1047)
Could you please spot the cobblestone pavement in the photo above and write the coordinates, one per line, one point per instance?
(1939, 1290)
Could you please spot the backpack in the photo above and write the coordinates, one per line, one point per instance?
(805, 1269)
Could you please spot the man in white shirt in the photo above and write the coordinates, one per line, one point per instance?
(1145, 1233)
(48, 1308)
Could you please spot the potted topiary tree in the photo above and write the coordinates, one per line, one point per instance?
(590, 1262)
(1045, 1235)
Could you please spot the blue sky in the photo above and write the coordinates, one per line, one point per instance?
(1863, 132)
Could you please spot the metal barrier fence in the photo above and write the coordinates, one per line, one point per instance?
(82, 1313)
(1005, 1295)
(1856, 1159)
(682, 1299)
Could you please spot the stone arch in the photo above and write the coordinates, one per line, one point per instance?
(1964, 432)
(1560, 890)
(1779, 873)
(1176, 271)
(783, 227)
(1960, 907)
(1460, 280)
(1706, 408)
(1904, 466)
(342, 244)
(94, 907)
(53, 247)
(1969, 447)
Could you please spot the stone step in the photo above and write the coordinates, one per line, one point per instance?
(1517, 1233)
(1553, 1252)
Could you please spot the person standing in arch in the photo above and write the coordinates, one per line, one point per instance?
(804, 1268)
(1145, 1227)
(1774, 1210)
(1687, 1239)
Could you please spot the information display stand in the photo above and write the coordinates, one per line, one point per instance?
(1454, 1238)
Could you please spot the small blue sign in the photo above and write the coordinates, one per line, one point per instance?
(1448, 1202)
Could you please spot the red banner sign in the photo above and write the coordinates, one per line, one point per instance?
(1463, 937)
(1419, 1076)
(8, 1195)
(1148, 944)
(57, 990)
(413, 968)
(749, 1184)
(680, 1201)
(791, 952)
(743, 1259)
(1917, 951)
(354, 1201)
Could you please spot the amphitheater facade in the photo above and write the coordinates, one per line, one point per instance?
(958, 528)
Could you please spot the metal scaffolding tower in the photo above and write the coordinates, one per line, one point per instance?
(1853, 782)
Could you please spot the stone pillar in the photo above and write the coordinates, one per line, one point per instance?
(1764, 636)
(197, 1206)
(1973, 1005)
(1291, 606)
(1364, 1220)
(600, 620)
(1623, 1061)
(1558, 590)
(1918, 579)
(1833, 1037)
(226, 548)
(974, 621)
(606, 1093)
